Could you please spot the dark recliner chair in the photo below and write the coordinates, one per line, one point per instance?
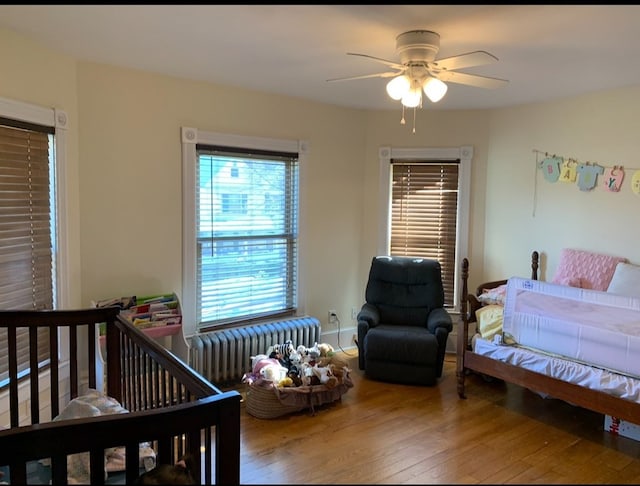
(403, 326)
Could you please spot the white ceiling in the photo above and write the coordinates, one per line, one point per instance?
(545, 51)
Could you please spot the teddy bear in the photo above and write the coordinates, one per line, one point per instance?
(325, 349)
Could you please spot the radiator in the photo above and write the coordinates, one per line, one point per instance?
(225, 355)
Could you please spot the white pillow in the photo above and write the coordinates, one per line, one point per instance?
(625, 280)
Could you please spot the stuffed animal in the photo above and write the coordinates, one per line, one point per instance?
(273, 372)
(325, 349)
(325, 376)
(294, 374)
(338, 371)
(281, 351)
(260, 361)
(309, 354)
(286, 381)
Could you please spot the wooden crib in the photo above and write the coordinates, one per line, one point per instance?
(173, 408)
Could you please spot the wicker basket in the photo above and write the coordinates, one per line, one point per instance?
(265, 401)
(262, 402)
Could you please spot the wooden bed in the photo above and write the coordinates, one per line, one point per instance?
(467, 361)
(173, 408)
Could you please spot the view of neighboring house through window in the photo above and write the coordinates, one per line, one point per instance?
(246, 234)
(27, 233)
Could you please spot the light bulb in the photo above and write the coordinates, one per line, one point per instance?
(435, 89)
(398, 86)
(412, 98)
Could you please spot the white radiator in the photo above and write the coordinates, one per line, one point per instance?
(225, 355)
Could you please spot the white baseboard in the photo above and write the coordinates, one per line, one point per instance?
(345, 341)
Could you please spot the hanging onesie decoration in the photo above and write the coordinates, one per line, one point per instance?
(551, 168)
(568, 171)
(612, 179)
(588, 175)
(635, 182)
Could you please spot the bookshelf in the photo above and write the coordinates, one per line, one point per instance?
(158, 316)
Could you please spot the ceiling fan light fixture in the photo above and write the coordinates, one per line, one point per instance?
(412, 98)
(434, 89)
(398, 87)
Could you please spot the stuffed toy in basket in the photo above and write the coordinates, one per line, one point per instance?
(290, 379)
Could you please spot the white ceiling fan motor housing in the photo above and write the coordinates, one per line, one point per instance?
(417, 46)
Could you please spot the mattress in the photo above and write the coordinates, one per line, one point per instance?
(587, 326)
(599, 379)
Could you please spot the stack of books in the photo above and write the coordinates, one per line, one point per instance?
(150, 311)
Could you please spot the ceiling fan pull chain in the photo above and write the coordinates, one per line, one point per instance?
(414, 119)
(402, 122)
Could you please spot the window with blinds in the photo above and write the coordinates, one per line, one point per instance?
(26, 234)
(424, 214)
(247, 234)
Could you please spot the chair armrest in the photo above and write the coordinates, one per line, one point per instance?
(369, 314)
(368, 317)
(439, 317)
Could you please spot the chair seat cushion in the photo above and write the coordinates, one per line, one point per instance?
(401, 344)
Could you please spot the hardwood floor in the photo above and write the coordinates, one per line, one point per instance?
(381, 433)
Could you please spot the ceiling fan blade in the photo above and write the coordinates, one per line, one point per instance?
(392, 64)
(471, 79)
(475, 58)
(365, 76)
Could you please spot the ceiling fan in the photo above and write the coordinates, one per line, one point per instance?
(418, 70)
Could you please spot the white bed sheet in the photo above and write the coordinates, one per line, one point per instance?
(592, 377)
(587, 326)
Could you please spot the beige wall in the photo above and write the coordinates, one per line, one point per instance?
(524, 212)
(131, 194)
(33, 74)
(124, 175)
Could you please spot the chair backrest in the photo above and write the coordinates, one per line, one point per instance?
(405, 289)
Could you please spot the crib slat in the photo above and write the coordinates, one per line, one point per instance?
(34, 375)
(53, 370)
(13, 377)
(73, 361)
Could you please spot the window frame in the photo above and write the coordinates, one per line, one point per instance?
(58, 119)
(190, 138)
(465, 155)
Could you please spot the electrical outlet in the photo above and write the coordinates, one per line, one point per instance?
(333, 317)
(354, 313)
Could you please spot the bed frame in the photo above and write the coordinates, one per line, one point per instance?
(170, 405)
(467, 361)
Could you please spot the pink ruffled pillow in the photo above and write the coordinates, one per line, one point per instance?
(585, 269)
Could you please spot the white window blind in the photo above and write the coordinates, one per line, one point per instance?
(247, 234)
(26, 255)
(424, 213)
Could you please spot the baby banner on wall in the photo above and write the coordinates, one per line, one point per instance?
(586, 175)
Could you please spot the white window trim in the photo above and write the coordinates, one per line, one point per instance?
(465, 155)
(51, 117)
(191, 137)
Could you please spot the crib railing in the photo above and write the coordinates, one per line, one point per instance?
(170, 405)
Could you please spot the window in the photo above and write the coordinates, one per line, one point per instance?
(29, 252)
(426, 195)
(241, 236)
